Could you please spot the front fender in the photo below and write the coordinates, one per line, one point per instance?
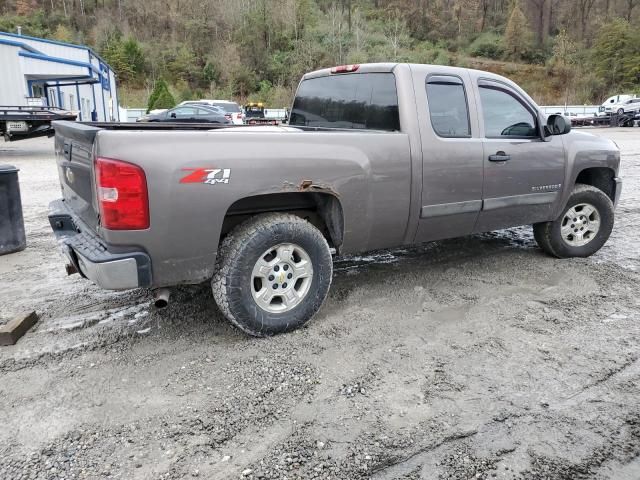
(585, 151)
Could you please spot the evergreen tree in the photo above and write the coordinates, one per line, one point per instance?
(616, 54)
(160, 96)
(134, 56)
(62, 34)
(113, 52)
(164, 100)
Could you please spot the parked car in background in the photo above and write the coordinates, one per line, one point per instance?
(189, 113)
(231, 109)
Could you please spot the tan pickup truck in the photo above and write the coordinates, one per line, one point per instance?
(374, 156)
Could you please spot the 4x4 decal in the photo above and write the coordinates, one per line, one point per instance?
(209, 176)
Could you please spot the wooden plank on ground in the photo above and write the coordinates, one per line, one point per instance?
(16, 328)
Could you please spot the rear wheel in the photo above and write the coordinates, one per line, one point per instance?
(583, 227)
(272, 274)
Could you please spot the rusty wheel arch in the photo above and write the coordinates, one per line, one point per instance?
(312, 202)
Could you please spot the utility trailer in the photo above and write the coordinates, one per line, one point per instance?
(18, 122)
(614, 120)
(257, 114)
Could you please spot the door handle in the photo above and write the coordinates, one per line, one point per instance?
(499, 157)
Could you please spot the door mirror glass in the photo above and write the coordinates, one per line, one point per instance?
(557, 125)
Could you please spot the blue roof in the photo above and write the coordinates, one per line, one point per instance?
(49, 58)
(24, 46)
(46, 40)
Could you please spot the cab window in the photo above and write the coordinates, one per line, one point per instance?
(448, 106)
(505, 115)
(356, 101)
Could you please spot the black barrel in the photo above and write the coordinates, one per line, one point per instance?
(12, 238)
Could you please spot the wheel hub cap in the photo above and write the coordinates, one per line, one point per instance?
(580, 224)
(281, 278)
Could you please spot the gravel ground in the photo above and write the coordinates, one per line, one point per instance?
(477, 357)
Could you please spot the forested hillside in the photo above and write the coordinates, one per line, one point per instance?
(575, 51)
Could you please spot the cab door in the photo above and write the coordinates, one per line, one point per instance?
(523, 173)
(451, 156)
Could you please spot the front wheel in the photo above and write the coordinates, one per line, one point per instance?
(273, 273)
(583, 227)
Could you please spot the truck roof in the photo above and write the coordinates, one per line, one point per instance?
(415, 67)
(389, 67)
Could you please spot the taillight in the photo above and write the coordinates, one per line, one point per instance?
(239, 116)
(122, 195)
(345, 68)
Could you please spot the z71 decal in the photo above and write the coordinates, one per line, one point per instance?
(210, 176)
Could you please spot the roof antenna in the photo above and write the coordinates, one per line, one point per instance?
(19, 30)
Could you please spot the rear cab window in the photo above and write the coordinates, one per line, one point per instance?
(448, 106)
(360, 101)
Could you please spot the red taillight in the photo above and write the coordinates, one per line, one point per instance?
(122, 195)
(239, 116)
(345, 68)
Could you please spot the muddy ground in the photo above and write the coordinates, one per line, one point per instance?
(477, 357)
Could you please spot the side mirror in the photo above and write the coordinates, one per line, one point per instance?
(557, 125)
(173, 114)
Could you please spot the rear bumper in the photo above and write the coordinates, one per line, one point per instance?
(93, 258)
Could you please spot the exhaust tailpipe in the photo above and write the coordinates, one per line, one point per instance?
(161, 298)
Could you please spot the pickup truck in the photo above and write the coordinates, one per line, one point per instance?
(374, 156)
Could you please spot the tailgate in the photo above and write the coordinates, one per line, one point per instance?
(74, 157)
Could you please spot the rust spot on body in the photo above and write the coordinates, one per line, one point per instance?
(309, 186)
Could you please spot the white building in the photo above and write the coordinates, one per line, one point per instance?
(35, 71)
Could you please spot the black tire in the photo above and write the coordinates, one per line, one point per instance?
(232, 283)
(548, 234)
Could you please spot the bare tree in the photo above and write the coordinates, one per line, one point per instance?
(539, 11)
(630, 5)
(584, 9)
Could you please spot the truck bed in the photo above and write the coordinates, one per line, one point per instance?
(364, 168)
